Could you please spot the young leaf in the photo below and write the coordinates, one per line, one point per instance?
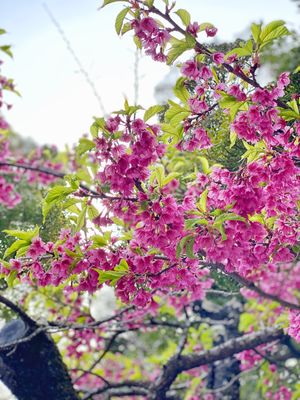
(189, 248)
(106, 2)
(202, 203)
(184, 16)
(120, 19)
(58, 193)
(15, 247)
(181, 244)
(272, 31)
(180, 90)
(28, 236)
(256, 29)
(151, 111)
(229, 217)
(84, 146)
(7, 50)
(178, 48)
(205, 165)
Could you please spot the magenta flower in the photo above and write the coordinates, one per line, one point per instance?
(211, 31)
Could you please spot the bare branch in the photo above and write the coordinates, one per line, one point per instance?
(75, 57)
(176, 365)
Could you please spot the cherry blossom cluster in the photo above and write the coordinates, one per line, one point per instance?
(152, 37)
(127, 158)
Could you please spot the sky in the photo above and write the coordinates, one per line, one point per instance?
(57, 104)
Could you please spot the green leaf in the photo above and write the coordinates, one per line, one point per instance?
(106, 2)
(118, 221)
(232, 104)
(122, 266)
(205, 25)
(81, 218)
(228, 217)
(149, 3)
(11, 278)
(192, 222)
(256, 29)
(220, 228)
(180, 90)
(151, 111)
(54, 196)
(94, 129)
(202, 203)
(100, 241)
(92, 212)
(22, 251)
(181, 245)
(218, 224)
(272, 31)
(232, 138)
(170, 177)
(179, 47)
(126, 28)
(205, 165)
(137, 42)
(58, 193)
(2, 31)
(160, 175)
(290, 115)
(176, 113)
(257, 218)
(184, 16)
(28, 235)
(6, 50)
(15, 247)
(114, 275)
(269, 29)
(246, 321)
(83, 175)
(189, 248)
(240, 52)
(227, 101)
(84, 146)
(120, 19)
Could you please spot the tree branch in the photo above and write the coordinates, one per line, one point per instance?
(250, 285)
(16, 309)
(176, 365)
(57, 174)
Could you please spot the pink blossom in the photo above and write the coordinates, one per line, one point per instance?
(193, 28)
(190, 69)
(218, 58)
(211, 31)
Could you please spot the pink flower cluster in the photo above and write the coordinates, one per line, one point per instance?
(8, 197)
(294, 328)
(152, 37)
(124, 165)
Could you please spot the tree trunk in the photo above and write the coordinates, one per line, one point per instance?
(33, 370)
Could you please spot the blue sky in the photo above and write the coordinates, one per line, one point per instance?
(57, 105)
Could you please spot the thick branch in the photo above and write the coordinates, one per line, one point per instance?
(176, 365)
(16, 309)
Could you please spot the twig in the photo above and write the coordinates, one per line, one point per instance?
(103, 354)
(129, 388)
(47, 171)
(75, 57)
(233, 380)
